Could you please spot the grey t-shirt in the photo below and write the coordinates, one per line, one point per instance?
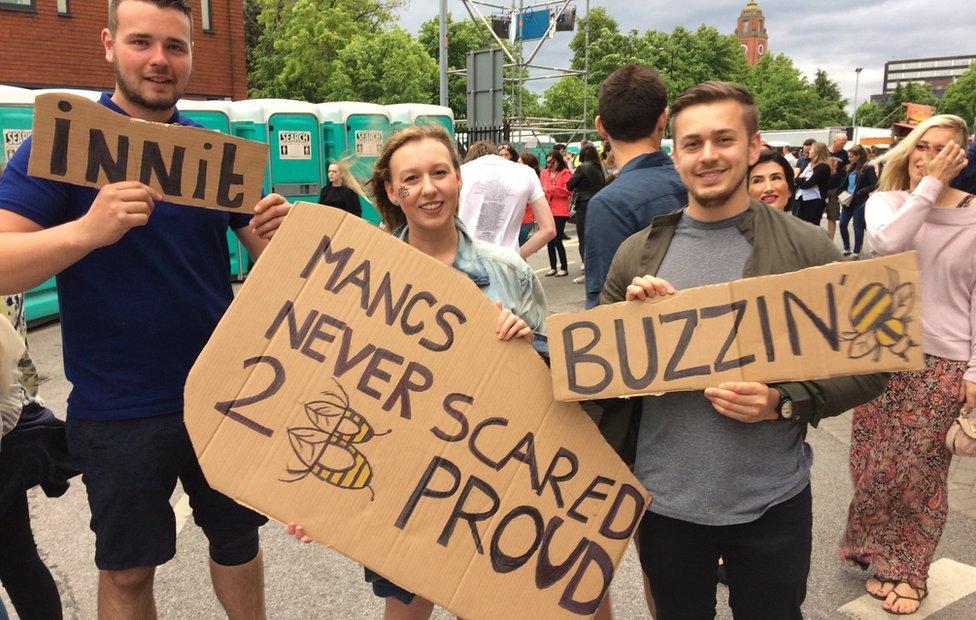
(699, 465)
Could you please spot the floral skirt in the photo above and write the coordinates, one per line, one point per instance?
(899, 467)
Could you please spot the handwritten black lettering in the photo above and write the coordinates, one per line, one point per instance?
(547, 573)
(591, 491)
(575, 357)
(229, 178)
(100, 158)
(424, 487)
(171, 180)
(456, 414)
(671, 372)
(711, 312)
(460, 513)
(650, 348)
(829, 332)
(501, 561)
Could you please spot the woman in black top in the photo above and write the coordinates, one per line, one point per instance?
(587, 180)
(811, 193)
(339, 191)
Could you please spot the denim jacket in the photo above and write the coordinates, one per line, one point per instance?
(502, 275)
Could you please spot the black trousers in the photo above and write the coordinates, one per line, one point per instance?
(556, 246)
(810, 210)
(767, 562)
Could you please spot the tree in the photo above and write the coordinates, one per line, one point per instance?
(870, 114)
(960, 97)
(462, 37)
(365, 70)
(299, 39)
(831, 108)
(909, 92)
(784, 97)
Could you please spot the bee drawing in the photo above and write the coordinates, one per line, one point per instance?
(879, 318)
(327, 449)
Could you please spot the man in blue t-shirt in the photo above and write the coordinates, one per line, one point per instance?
(142, 283)
(632, 112)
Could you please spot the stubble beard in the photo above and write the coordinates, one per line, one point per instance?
(134, 96)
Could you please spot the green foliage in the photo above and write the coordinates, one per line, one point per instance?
(462, 37)
(911, 92)
(870, 114)
(365, 70)
(785, 99)
(300, 39)
(830, 110)
(960, 97)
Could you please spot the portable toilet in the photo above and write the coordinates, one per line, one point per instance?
(291, 131)
(355, 132)
(404, 114)
(16, 121)
(215, 115)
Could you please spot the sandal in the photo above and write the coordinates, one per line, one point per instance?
(562, 273)
(551, 272)
(881, 594)
(920, 592)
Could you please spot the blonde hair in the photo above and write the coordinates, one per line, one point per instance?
(347, 179)
(894, 175)
(392, 215)
(819, 154)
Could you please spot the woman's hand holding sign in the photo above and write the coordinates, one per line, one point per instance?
(511, 325)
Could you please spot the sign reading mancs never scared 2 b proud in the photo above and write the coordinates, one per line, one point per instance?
(357, 386)
(78, 141)
(845, 318)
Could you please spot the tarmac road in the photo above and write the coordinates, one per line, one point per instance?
(305, 581)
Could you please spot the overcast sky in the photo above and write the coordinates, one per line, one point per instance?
(835, 35)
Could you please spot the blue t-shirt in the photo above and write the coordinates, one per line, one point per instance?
(135, 314)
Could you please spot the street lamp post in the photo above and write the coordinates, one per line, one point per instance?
(857, 77)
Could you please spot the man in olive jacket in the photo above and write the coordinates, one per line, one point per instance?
(728, 468)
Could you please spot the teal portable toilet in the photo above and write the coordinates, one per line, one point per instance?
(354, 132)
(291, 131)
(404, 114)
(41, 302)
(16, 121)
(215, 115)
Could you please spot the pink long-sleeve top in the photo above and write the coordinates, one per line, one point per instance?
(945, 240)
(557, 193)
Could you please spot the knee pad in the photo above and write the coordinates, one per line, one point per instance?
(232, 547)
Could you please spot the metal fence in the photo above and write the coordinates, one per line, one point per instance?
(466, 137)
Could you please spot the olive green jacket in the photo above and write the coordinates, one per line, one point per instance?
(781, 243)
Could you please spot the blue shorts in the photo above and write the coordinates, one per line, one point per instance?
(384, 588)
(130, 468)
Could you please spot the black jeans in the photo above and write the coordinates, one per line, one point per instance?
(846, 215)
(581, 225)
(556, 245)
(767, 562)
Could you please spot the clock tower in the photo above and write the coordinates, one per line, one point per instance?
(751, 30)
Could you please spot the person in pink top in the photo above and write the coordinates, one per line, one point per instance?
(555, 178)
(899, 462)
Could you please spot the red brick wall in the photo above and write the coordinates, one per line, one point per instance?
(43, 49)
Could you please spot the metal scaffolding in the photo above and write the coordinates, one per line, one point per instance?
(520, 63)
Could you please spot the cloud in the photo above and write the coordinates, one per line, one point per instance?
(834, 35)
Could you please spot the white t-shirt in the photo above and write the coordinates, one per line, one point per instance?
(494, 193)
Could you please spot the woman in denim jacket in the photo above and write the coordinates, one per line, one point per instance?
(416, 183)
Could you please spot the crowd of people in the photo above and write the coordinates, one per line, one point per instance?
(720, 207)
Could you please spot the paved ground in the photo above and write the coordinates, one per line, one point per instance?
(311, 581)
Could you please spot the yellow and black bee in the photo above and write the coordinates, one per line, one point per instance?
(327, 449)
(878, 316)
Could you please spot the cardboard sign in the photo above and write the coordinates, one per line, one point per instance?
(840, 319)
(357, 386)
(82, 142)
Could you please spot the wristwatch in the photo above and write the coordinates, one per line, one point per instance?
(784, 410)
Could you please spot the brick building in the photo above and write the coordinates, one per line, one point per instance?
(56, 43)
(751, 30)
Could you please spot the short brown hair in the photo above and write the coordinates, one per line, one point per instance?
(480, 149)
(180, 5)
(714, 91)
(392, 215)
(631, 100)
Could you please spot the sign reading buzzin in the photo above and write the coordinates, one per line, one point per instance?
(84, 143)
(840, 319)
